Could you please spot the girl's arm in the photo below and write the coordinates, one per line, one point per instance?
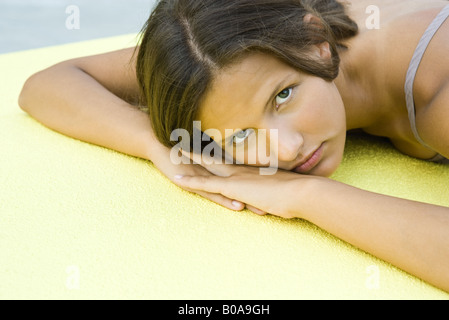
(410, 235)
(92, 99)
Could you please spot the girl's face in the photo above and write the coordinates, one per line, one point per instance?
(262, 92)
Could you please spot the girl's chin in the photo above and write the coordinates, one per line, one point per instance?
(323, 171)
(328, 166)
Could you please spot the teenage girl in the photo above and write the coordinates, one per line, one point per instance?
(310, 69)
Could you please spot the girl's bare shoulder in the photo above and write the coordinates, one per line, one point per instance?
(389, 47)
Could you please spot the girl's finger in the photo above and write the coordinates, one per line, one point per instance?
(223, 201)
(256, 211)
(205, 187)
(196, 158)
(215, 197)
(217, 166)
(208, 184)
(202, 159)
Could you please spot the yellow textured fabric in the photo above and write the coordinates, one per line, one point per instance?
(82, 222)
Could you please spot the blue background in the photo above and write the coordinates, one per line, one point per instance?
(28, 24)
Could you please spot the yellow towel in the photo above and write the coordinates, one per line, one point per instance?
(82, 222)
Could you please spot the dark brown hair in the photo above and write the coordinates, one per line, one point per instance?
(185, 42)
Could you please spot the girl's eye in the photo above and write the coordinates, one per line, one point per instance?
(284, 96)
(242, 136)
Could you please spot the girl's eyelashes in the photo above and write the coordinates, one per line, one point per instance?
(283, 97)
(241, 136)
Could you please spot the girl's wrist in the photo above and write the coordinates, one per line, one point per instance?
(154, 150)
(307, 192)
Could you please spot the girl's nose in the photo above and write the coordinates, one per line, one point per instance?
(290, 145)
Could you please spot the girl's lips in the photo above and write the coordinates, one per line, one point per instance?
(311, 163)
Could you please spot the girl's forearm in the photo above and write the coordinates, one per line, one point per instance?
(410, 235)
(68, 100)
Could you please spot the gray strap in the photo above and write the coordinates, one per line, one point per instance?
(414, 65)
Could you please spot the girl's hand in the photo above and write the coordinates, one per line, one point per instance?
(279, 194)
(161, 159)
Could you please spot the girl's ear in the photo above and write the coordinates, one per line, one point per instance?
(321, 50)
(310, 18)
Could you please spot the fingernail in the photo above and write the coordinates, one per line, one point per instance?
(236, 204)
(178, 177)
